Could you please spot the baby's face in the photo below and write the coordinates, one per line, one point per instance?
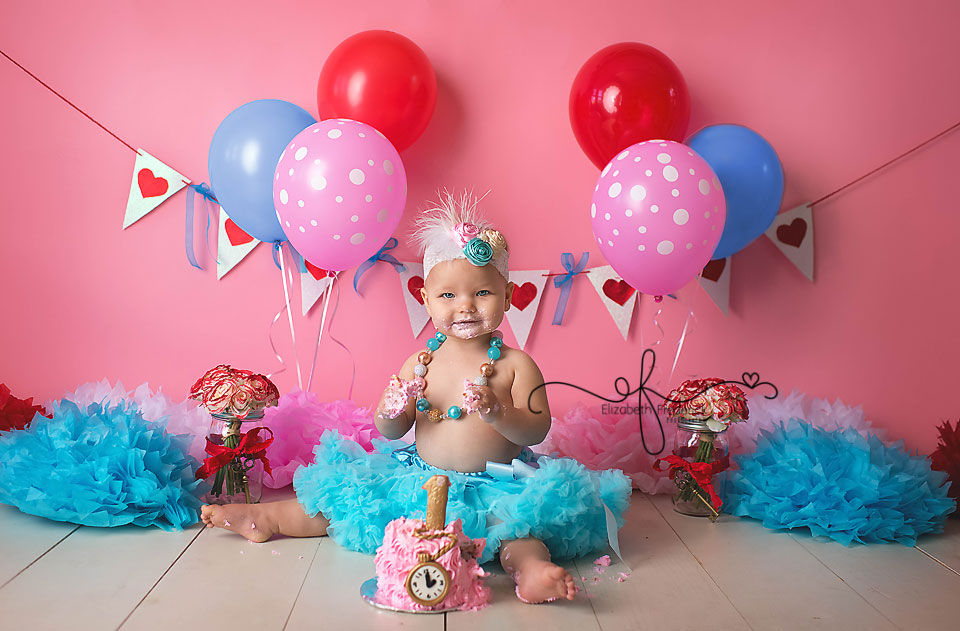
(466, 300)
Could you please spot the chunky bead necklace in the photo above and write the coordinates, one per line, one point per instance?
(420, 370)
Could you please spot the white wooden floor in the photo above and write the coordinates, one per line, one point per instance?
(686, 574)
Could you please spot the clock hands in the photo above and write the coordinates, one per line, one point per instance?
(430, 581)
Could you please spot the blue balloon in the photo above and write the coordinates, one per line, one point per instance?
(752, 179)
(243, 159)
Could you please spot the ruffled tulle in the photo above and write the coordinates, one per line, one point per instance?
(187, 417)
(359, 493)
(99, 466)
(298, 422)
(607, 441)
(841, 484)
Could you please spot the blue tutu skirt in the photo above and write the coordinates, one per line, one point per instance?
(562, 503)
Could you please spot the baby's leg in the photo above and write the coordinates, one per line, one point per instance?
(259, 522)
(538, 580)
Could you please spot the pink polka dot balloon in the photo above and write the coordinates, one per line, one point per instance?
(658, 213)
(339, 191)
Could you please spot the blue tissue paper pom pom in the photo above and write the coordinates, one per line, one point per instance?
(840, 484)
(100, 466)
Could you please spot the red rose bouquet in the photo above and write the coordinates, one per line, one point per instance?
(717, 405)
(234, 396)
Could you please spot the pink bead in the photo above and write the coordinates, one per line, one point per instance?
(421, 382)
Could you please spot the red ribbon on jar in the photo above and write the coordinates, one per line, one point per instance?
(701, 472)
(250, 447)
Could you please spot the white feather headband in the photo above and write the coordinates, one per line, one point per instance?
(455, 229)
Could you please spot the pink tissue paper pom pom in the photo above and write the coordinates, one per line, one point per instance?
(611, 441)
(297, 423)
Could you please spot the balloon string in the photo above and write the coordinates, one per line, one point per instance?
(353, 362)
(323, 319)
(683, 335)
(656, 323)
(286, 295)
(276, 353)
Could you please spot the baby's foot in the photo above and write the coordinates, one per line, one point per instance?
(542, 581)
(245, 519)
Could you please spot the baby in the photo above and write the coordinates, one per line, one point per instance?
(467, 395)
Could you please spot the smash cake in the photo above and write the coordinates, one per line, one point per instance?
(426, 566)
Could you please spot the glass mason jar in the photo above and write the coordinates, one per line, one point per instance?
(241, 480)
(695, 442)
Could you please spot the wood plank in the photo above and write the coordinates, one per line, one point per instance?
(25, 539)
(769, 577)
(667, 588)
(506, 611)
(908, 587)
(95, 578)
(223, 581)
(944, 547)
(330, 597)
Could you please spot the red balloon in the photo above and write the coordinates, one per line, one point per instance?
(625, 94)
(380, 78)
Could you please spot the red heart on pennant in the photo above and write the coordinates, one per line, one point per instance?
(150, 185)
(713, 269)
(793, 233)
(316, 272)
(235, 234)
(618, 291)
(414, 285)
(523, 295)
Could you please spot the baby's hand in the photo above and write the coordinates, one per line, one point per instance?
(397, 395)
(480, 399)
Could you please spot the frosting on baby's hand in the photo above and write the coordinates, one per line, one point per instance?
(398, 394)
(471, 400)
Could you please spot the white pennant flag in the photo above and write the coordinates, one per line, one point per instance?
(715, 280)
(313, 283)
(525, 301)
(792, 232)
(233, 244)
(616, 294)
(411, 282)
(153, 182)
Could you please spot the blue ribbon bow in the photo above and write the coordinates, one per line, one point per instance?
(381, 255)
(204, 190)
(565, 282)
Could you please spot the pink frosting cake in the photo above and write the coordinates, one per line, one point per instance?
(398, 555)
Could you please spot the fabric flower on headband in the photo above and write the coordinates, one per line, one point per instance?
(465, 232)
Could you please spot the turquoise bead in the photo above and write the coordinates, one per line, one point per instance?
(433, 343)
(423, 405)
(493, 352)
(441, 337)
(453, 412)
(496, 341)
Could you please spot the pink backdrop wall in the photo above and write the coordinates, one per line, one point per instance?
(837, 88)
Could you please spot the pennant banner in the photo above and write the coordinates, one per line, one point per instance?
(525, 301)
(617, 296)
(411, 282)
(313, 282)
(233, 244)
(792, 233)
(715, 280)
(153, 183)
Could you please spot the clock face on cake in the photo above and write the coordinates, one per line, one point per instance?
(427, 583)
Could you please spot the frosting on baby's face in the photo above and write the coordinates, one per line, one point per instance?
(466, 300)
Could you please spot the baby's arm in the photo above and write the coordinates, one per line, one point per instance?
(518, 424)
(397, 426)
